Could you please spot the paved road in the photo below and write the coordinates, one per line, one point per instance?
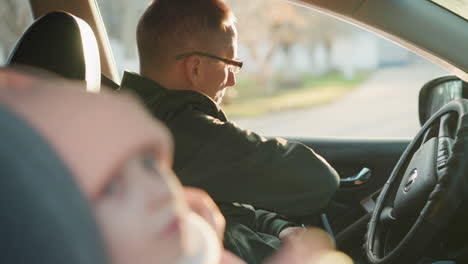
(386, 105)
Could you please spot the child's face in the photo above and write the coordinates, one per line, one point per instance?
(140, 212)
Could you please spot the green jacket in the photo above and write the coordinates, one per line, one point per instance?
(235, 165)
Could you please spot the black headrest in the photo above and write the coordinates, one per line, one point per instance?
(43, 217)
(106, 81)
(62, 43)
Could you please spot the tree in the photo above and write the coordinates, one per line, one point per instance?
(121, 17)
(325, 30)
(265, 29)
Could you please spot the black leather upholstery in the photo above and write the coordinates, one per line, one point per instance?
(43, 217)
(62, 43)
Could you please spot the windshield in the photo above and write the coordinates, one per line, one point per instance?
(459, 7)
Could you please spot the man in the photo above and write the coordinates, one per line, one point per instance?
(187, 55)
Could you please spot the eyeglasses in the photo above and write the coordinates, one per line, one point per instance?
(234, 66)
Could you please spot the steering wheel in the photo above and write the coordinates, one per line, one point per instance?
(426, 188)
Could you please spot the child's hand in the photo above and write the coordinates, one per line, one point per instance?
(229, 258)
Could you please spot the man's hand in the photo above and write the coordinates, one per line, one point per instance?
(313, 247)
(291, 233)
(202, 204)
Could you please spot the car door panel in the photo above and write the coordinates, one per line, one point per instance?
(348, 157)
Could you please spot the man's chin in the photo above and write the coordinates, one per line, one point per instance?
(219, 97)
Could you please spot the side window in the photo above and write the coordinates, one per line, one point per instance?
(310, 75)
(305, 74)
(121, 18)
(15, 17)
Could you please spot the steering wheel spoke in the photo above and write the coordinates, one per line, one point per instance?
(387, 216)
(447, 130)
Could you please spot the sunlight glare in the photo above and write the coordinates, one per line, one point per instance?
(92, 58)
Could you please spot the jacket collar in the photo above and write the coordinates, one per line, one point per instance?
(146, 87)
(148, 90)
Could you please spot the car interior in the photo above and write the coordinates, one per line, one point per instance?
(67, 47)
(400, 199)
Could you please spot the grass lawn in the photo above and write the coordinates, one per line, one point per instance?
(311, 91)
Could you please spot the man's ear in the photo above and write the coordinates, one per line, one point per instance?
(192, 69)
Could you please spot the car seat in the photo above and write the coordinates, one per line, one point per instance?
(61, 43)
(44, 217)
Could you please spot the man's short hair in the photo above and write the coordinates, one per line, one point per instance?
(170, 27)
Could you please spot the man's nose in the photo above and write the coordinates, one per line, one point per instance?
(231, 79)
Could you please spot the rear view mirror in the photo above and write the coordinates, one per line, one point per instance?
(439, 92)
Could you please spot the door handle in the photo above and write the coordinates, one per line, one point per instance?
(362, 177)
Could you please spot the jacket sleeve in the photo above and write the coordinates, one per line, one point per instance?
(256, 219)
(270, 223)
(235, 165)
